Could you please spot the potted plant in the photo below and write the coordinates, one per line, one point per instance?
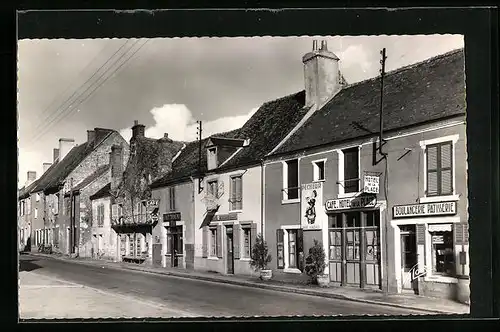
(260, 258)
(315, 265)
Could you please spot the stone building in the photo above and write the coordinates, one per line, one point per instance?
(390, 216)
(24, 211)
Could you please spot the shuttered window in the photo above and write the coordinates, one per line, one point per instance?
(236, 199)
(439, 169)
(351, 170)
(100, 215)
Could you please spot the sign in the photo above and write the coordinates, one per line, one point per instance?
(415, 272)
(173, 216)
(152, 203)
(426, 209)
(371, 184)
(351, 203)
(437, 239)
(225, 217)
(311, 197)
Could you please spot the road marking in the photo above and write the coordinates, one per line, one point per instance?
(156, 305)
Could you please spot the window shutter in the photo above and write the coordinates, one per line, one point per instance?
(466, 233)
(239, 193)
(420, 228)
(280, 254)
(253, 235)
(236, 241)
(219, 241)
(300, 249)
(232, 191)
(432, 171)
(458, 231)
(204, 249)
(446, 169)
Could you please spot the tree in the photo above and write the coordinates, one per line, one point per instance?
(260, 254)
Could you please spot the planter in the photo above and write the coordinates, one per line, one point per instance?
(266, 274)
(323, 280)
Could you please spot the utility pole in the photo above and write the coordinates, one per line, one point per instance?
(199, 134)
(382, 74)
(71, 219)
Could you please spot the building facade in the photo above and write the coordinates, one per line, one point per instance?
(104, 239)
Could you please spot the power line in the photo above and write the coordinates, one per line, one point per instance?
(40, 125)
(92, 92)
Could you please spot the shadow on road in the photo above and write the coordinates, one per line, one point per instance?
(28, 265)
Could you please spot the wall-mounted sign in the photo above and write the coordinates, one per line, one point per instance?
(311, 197)
(426, 209)
(371, 184)
(172, 216)
(437, 239)
(351, 203)
(225, 217)
(152, 203)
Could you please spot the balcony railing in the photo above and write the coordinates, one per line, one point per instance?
(132, 220)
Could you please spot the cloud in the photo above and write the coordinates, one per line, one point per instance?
(178, 121)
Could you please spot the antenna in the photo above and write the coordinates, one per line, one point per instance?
(199, 137)
(382, 74)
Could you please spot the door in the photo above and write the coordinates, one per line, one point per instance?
(352, 256)
(157, 254)
(229, 250)
(175, 245)
(408, 256)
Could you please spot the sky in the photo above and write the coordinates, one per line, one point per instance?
(69, 86)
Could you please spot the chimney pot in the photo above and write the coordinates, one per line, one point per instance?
(165, 135)
(138, 129)
(55, 155)
(136, 122)
(90, 135)
(46, 166)
(65, 146)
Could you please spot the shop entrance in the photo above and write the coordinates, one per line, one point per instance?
(229, 249)
(175, 245)
(408, 256)
(354, 248)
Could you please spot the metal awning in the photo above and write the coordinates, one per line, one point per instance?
(439, 227)
(209, 216)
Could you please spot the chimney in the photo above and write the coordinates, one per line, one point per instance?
(116, 163)
(321, 74)
(138, 129)
(46, 166)
(56, 155)
(165, 135)
(30, 177)
(90, 136)
(65, 145)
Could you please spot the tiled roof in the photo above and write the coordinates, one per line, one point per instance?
(91, 178)
(103, 192)
(427, 91)
(21, 192)
(57, 173)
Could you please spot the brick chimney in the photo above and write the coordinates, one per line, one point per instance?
(116, 163)
(138, 129)
(55, 156)
(30, 177)
(65, 145)
(90, 135)
(321, 74)
(46, 166)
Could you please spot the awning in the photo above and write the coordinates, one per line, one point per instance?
(209, 216)
(439, 227)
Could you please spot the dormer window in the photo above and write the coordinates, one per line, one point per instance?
(212, 158)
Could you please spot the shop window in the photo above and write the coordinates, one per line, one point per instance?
(353, 219)
(246, 242)
(291, 179)
(351, 170)
(123, 245)
(373, 219)
(213, 242)
(319, 170)
(236, 199)
(439, 169)
(335, 220)
(443, 258)
(171, 196)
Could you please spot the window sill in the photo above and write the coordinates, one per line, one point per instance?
(434, 199)
(441, 279)
(235, 211)
(213, 258)
(290, 201)
(245, 259)
(292, 270)
(318, 180)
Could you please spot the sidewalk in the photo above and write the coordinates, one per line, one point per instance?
(406, 301)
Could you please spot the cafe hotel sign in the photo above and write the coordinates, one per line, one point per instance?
(426, 209)
(365, 201)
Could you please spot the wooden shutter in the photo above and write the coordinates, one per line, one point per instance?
(280, 250)
(432, 170)
(219, 237)
(461, 232)
(236, 241)
(300, 249)
(205, 241)
(446, 178)
(253, 235)
(239, 192)
(420, 230)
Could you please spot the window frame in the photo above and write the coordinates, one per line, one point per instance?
(244, 253)
(423, 145)
(286, 253)
(341, 171)
(212, 242)
(315, 163)
(212, 162)
(432, 253)
(233, 207)
(285, 199)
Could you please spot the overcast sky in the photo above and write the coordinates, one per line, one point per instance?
(169, 84)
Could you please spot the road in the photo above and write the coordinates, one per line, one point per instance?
(196, 297)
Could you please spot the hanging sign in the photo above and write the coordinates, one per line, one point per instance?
(371, 184)
(426, 209)
(152, 203)
(351, 203)
(311, 197)
(173, 216)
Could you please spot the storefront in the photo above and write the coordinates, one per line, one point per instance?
(173, 230)
(354, 231)
(431, 249)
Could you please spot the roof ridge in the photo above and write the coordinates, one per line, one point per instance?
(407, 67)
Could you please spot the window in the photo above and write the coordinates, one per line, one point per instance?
(236, 199)
(439, 169)
(212, 158)
(171, 196)
(443, 258)
(36, 213)
(247, 245)
(100, 215)
(138, 245)
(37, 197)
(292, 248)
(351, 170)
(212, 187)
(319, 170)
(213, 242)
(55, 208)
(175, 235)
(291, 180)
(120, 210)
(131, 244)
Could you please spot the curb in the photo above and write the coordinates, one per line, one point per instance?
(283, 289)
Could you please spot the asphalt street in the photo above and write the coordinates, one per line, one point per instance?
(200, 298)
